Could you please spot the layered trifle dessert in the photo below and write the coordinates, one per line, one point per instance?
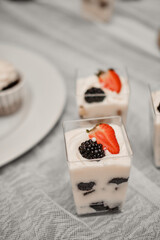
(105, 93)
(155, 97)
(11, 88)
(98, 9)
(99, 160)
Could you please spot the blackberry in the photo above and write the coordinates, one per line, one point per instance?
(91, 150)
(94, 91)
(158, 108)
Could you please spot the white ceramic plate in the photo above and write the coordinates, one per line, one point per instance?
(44, 102)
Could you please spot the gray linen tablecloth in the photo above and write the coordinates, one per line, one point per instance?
(35, 194)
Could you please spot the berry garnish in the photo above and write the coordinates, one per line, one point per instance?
(110, 80)
(105, 135)
(91, 150)
(100, 72)
(158, 108)
(96, 92)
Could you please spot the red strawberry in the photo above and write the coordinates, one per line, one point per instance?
(110, 80)
(105, 135)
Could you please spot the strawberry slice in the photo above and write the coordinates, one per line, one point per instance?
(105, 135)
(110, 80)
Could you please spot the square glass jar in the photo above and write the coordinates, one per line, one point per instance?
(154, 95)
(94, 100)
(98, 185)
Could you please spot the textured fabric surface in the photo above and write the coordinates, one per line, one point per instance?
(35, 194)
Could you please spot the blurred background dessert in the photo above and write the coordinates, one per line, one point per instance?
(98, 9)
(11, 88)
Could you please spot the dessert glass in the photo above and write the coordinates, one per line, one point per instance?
(98, 9)
(112, 103)
(98, 185)
(155, 122)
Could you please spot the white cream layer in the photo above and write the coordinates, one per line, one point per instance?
(8, 74)
(74, 139)
(111, 97)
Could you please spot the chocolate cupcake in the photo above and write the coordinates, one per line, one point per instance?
(11, 89)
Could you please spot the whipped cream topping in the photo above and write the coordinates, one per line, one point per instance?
(8, 74)
(75, 137)
(92, 81)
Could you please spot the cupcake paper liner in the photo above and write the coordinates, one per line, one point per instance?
(11, 99)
